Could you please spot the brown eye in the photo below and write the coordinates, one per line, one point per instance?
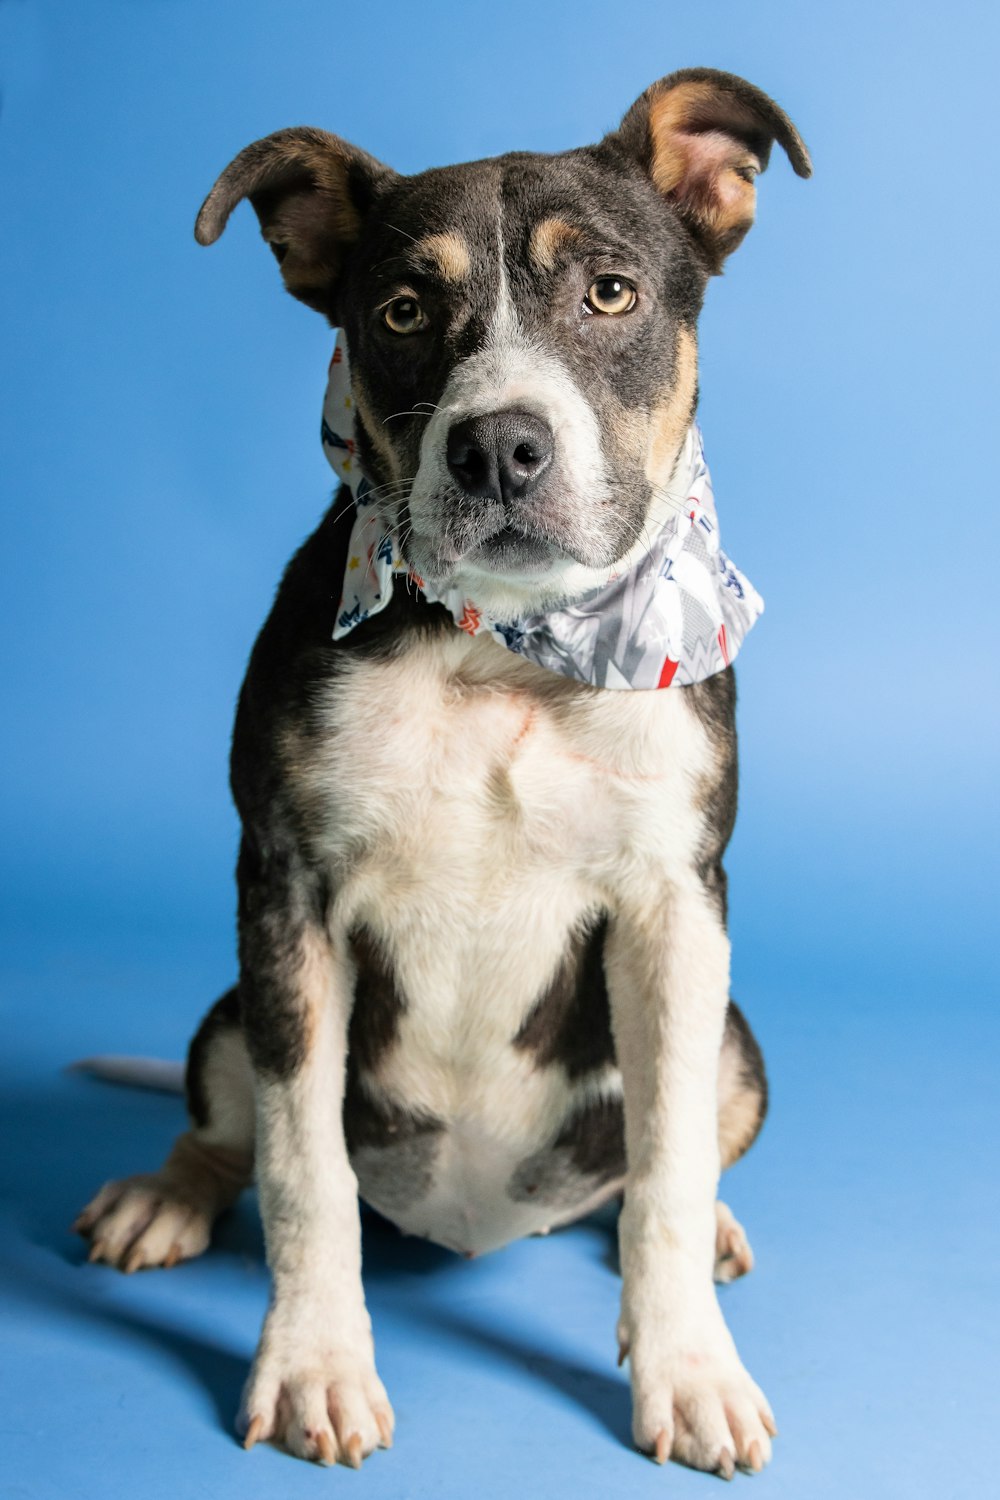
(404, 315)
(611, 295)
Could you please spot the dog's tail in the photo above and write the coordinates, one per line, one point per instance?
(135, 1072)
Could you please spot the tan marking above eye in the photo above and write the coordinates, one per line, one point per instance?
(548, 238)
(404, 315)
(447, 253)
(611, 295)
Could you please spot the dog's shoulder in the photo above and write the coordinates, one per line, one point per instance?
(295, 657)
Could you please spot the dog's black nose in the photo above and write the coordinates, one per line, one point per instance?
(501, 456)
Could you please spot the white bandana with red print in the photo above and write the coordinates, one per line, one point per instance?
(676, 616)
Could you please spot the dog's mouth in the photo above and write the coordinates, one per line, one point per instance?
(511, 549)
(494, 543)
(530, 553)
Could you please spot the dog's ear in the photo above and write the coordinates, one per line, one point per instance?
(703, 136)
(310, 191)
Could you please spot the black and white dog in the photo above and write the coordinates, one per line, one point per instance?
(484, 967)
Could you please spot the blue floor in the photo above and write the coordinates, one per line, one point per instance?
(871, 1319)
(159, 408)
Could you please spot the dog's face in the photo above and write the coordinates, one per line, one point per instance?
(521, 330)
(523, 358)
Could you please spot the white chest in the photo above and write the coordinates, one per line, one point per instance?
(457, 763)
(474, 811)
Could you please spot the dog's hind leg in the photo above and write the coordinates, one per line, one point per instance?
(742, 1107)
(164, 1217)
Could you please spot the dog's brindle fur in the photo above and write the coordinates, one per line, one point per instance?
(483, 962)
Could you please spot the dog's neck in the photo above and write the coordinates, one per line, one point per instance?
(673, 611)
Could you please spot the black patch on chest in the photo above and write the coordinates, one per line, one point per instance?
(588, 1153)
(378, 1004)
(391, 1148)
(570, 1024)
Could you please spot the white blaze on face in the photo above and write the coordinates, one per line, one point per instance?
(514, 372)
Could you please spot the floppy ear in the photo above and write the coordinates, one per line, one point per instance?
(703, 136)
(310, 191)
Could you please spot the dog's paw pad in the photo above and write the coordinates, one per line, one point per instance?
(733, 1255)
(142, 1222)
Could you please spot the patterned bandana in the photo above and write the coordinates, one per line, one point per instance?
(678, 615)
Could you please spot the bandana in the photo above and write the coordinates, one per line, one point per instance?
(677, 615)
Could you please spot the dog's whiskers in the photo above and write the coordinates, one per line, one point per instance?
(392, 489)
(411, 237)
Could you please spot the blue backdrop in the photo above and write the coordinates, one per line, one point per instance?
(160, 461)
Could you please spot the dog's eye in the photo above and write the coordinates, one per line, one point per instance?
(611, 295)
(404, 315)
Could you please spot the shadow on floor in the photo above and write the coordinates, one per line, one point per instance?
(69, 1134)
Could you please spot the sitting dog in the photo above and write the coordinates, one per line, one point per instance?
(485, 762)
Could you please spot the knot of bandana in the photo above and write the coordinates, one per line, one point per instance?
(676, 616)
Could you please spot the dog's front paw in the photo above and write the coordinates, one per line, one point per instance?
(326, 1404)
(701, 1409)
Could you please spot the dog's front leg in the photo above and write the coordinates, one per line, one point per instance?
(668, 976)
(313, 1388)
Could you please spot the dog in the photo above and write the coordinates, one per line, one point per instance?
(486, 774)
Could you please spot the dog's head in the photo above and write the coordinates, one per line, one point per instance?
(521, 330)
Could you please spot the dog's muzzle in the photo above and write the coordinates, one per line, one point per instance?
(677, 613)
